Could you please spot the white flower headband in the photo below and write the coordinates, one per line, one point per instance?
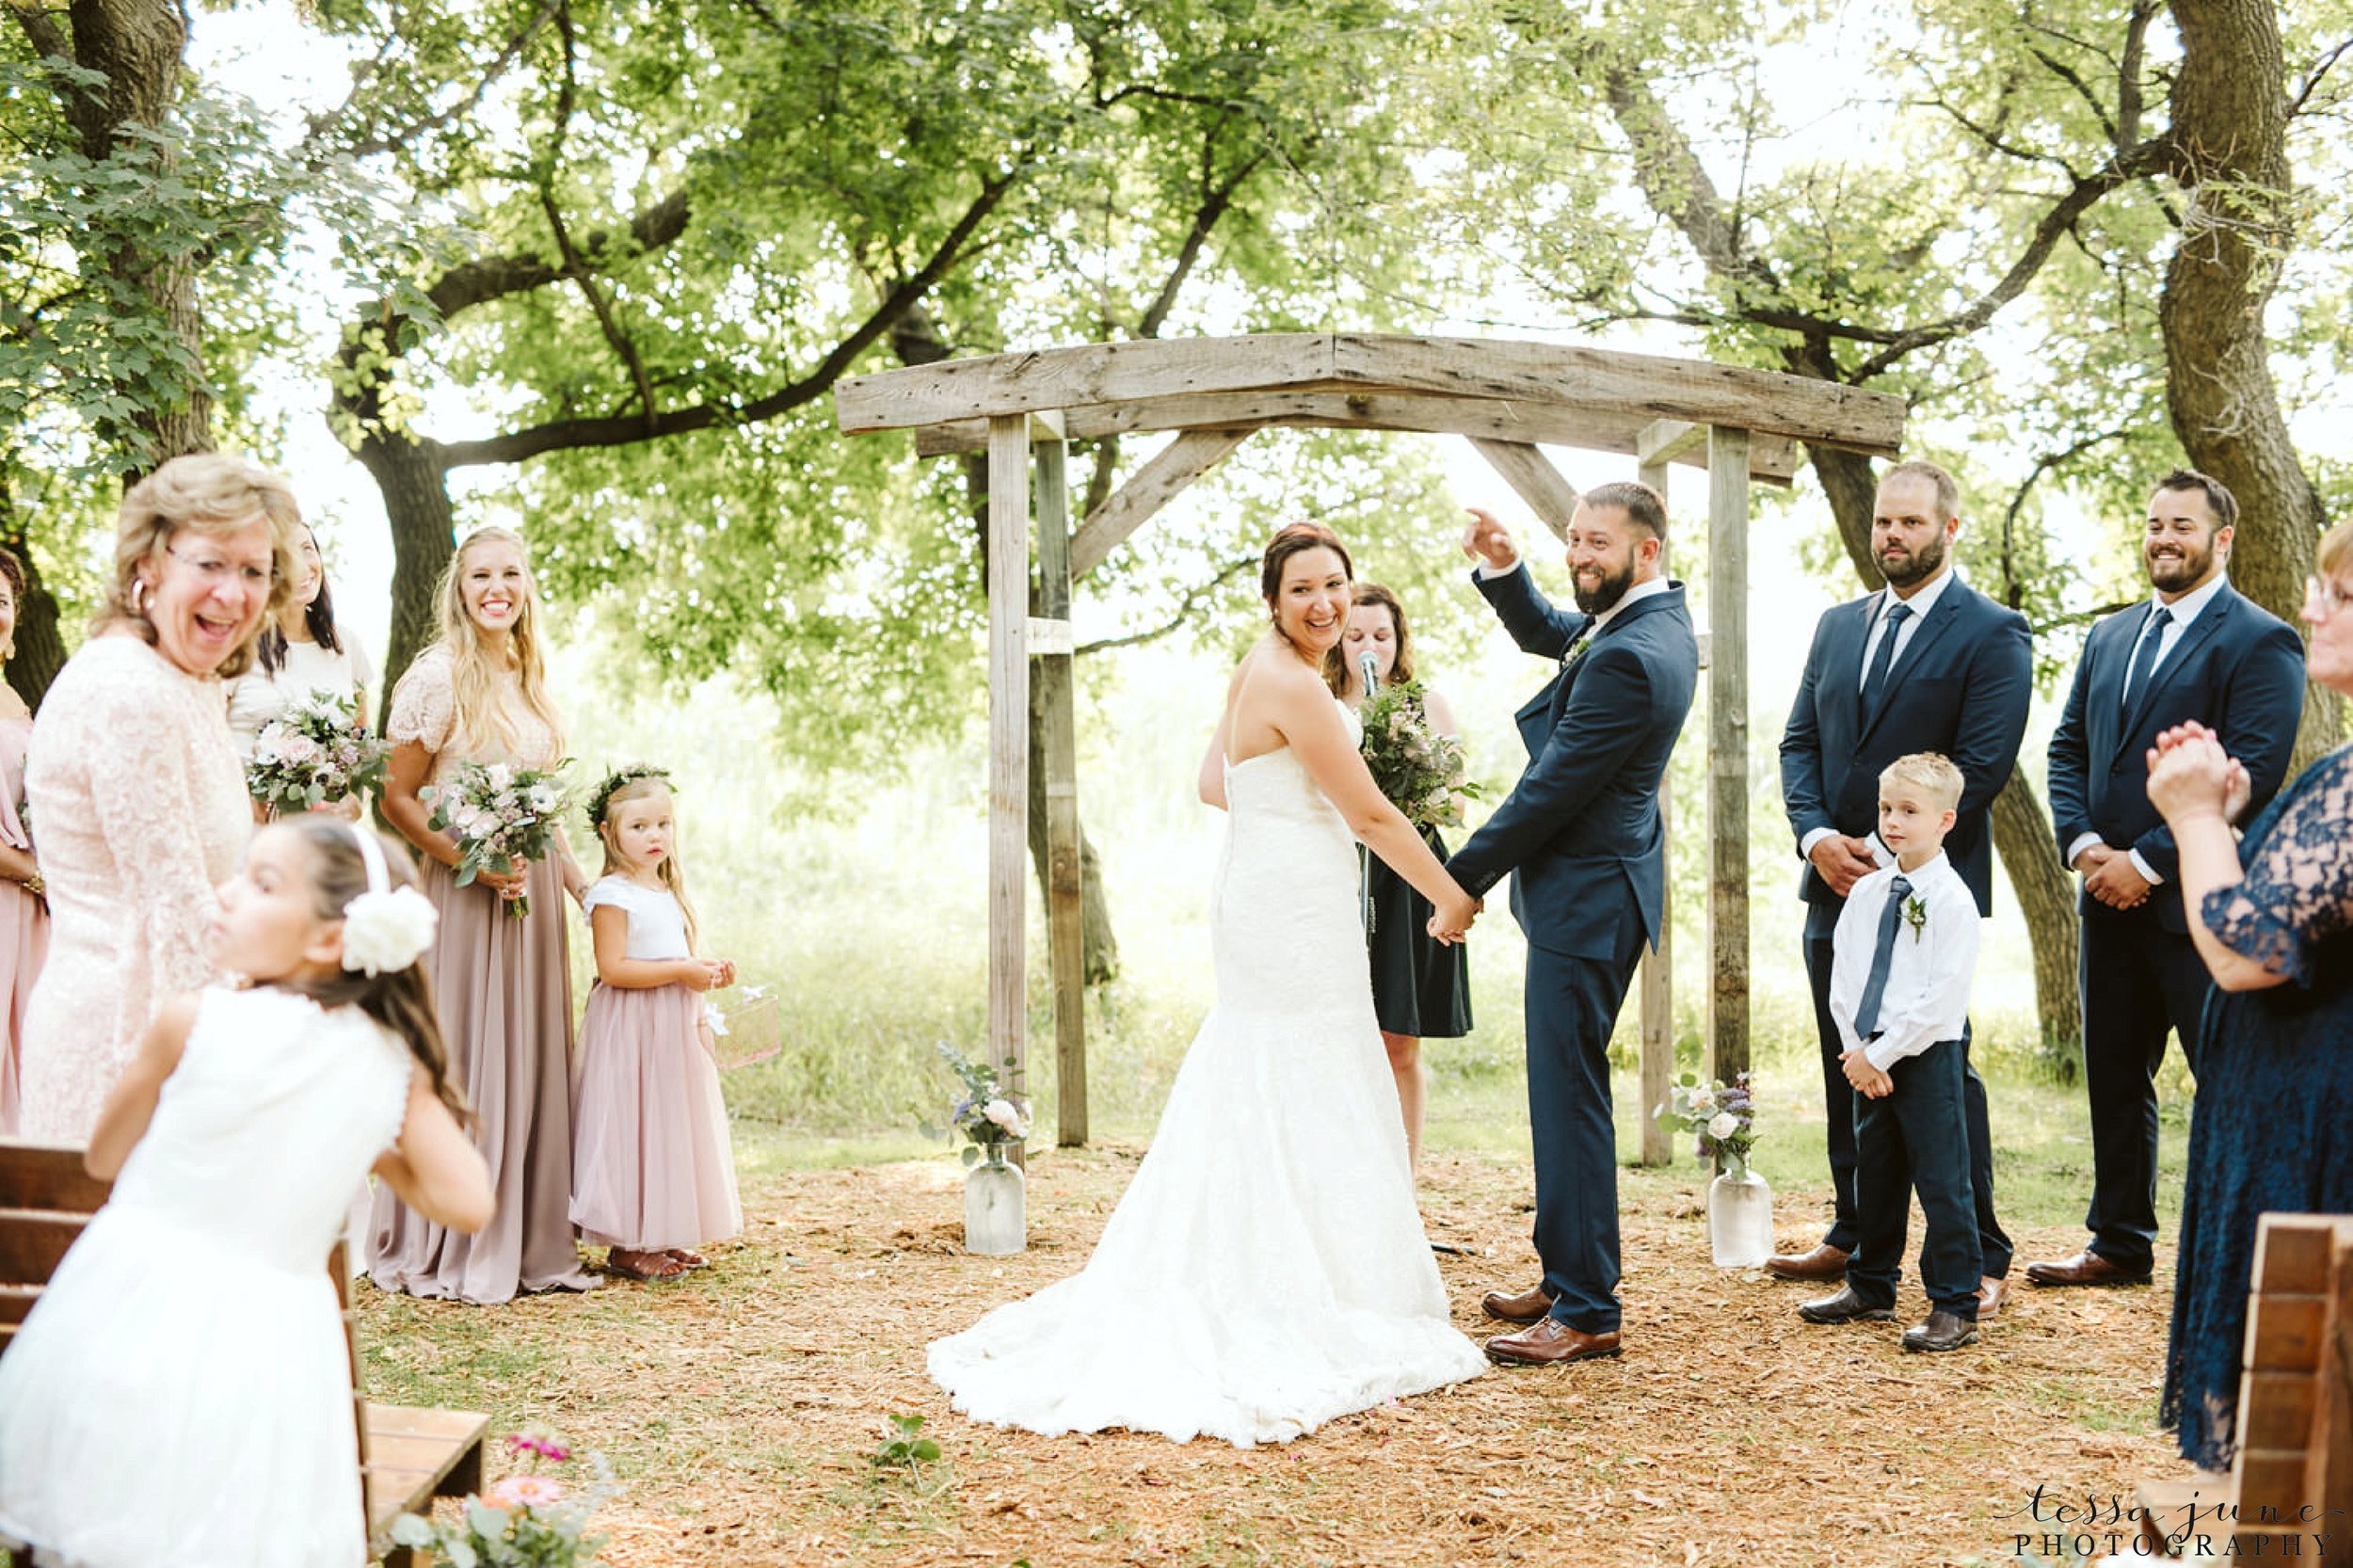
(385, 929)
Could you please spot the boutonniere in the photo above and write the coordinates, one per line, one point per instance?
(1916, 915)
(1578, 650)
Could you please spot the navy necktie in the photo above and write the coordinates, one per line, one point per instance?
(2145, 661)
(1882, 661)
(1867, 1016)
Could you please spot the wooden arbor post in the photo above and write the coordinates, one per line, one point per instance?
(1654, 449)
(1728, 750)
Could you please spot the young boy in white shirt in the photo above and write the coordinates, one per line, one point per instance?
(1905, 951)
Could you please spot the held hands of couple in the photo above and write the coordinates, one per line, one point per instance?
(1870, 1082)
(1452, 921)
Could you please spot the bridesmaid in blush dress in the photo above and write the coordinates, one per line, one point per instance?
(503, 984)
(23, 917)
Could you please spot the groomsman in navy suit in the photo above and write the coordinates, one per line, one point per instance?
(1964, 668)
(2196, 650)
(1581, 836)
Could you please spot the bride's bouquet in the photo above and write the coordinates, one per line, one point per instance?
(1421, 771)
(317, 752)
(501, 816)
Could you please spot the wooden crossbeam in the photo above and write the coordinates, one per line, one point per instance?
(1773, 459)
(1193, 454)
(1638, 386)
(1530, 472)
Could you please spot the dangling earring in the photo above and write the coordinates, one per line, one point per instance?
(138, 596)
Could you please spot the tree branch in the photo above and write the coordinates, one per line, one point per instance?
(2319, 74)
(392, 140)
(1215, 200)
(622, 430)
(2013, 594)
(478, 282)
(1188, 611)
(1676, 182)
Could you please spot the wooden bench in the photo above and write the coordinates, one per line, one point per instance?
(408, 1457)
(2289, 1492)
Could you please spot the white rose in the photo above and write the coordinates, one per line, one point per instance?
(1723, 1125)
(499, 775)
(1702, 1101)
(385, 932)
(1005, 1114)
(542, 798)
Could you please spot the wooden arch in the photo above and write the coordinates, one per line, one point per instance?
(1508, 398)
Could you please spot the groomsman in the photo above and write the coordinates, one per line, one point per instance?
(1965, 668)
(2196, 650)
(1580, 835)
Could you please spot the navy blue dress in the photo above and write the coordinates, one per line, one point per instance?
(1421, 987)
(2275, 1089)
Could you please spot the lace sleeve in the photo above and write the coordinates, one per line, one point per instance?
(425, 704)
(146, 805)
(2298, 888)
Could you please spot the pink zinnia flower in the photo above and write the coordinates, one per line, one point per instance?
(524, 1491)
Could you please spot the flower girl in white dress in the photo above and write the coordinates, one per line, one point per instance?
(180, 1391)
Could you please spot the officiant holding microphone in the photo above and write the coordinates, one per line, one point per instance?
(1421, 986)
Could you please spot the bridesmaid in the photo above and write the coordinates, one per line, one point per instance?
(503, 985)
(302, 650)
(23, 916)
(1420, 987)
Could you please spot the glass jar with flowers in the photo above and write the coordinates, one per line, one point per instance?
(993, 1118)
(1721, 1118)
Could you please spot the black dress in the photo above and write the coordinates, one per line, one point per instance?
(1421, 987)
(2275, 1089)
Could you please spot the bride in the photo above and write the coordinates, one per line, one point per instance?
(1266, 1270)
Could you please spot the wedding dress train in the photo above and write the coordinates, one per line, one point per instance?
(1266, 1269)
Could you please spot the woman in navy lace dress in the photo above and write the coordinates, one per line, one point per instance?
(2273, 918)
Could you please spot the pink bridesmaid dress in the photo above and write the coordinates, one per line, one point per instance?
(23, 920)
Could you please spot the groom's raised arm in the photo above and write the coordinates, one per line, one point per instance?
(1609, 716)
(1535, 623)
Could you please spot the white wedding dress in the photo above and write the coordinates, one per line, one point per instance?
(1266, 1269)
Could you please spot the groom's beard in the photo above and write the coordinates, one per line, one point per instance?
(1605, 593)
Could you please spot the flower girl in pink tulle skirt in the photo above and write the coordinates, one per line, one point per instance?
(653, 1171)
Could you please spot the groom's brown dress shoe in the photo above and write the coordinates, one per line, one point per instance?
(1940, 1330)
(1845, 1308)
(1550, 1343)
(1822, 1262)
(1528, 1307)
(2085, 1268)
(1992, 1294)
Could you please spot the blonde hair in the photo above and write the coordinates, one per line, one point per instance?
(483, 718)
(617, 864)
(2335, 553)
(208, 493)
(1931, 773)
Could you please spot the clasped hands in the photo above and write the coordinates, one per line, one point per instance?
(2190, 777)
(1446, 931)
(1870, 1082)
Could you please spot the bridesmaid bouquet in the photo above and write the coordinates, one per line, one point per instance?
(318, 751)
(1721, 1116)
(1420, 770)
(501, 816)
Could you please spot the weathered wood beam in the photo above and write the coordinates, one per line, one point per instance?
(1658, 977)
(1552, 498)
(1773, 459)
(1066, 930)
(1728, 751)
(1665, 441)
(1008, 741)
(1193, 454)
(1645, 387)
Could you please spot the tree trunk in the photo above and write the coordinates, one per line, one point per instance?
(2230, 121)
(1100, 948)
(2047, 895)
(40, 650)
(415, 486)
(2022, 831)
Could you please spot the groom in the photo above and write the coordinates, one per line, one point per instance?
(1581, 831)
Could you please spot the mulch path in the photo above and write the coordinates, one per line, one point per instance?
(743, 1407)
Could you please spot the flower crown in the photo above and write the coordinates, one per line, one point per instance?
(613, 783)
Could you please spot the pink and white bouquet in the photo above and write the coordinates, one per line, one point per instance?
(529, 1517)
(317, 752)
(502, 816)
(1421, 771)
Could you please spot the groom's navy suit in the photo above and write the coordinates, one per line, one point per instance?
(2240, 672)
(1580, 834)
(1961, 685)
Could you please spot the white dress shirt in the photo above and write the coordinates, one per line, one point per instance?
(2183, 611)
(1928, 970)
(1923, 599)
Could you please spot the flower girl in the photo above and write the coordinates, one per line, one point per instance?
(182, 1391)
(653, 1172)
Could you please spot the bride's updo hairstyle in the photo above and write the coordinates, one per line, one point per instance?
(1293, 538)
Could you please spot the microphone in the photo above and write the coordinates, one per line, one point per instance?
(1370, 669)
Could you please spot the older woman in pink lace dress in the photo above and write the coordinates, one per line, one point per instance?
(132, 779)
